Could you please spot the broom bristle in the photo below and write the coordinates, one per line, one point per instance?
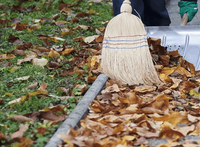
(125, 53)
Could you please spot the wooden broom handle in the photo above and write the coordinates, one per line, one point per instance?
(184, 20)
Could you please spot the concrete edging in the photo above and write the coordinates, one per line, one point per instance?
(80, 110)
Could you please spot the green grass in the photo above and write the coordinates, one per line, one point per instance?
(16, 89)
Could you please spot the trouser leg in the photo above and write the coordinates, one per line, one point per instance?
(156, 13)
(137, 6)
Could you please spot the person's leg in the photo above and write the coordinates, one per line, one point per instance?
(116, 6)
(155, 13)
(137, 5)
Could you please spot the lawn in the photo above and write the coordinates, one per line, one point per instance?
(48, 59)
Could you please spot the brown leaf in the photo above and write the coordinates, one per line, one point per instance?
(113, 88)
(118, 129)
(173, 118)
(20, 132)
(25, 46)
(169, 133)
(12, 38)
(144, 89)
(43, 86)
(2, 136)
(24, 142)
(18, 52)
(167, 70)
(164, 60)
(19, 26)
(174, 53)
(67, 51)
(42, 130)
(51, 116)
(82, 14)
(196, 132)
(186, 86)
(6, 56)
(21, 118)
(182, 71)
(166, 79)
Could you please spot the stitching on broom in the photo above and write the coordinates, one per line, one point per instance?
(124, 40)
(126, 43)
(107, 46)
(125, 36)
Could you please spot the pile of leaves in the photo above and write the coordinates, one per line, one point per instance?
(124, 115)
(49, 57)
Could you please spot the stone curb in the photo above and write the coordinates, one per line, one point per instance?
(79, 112)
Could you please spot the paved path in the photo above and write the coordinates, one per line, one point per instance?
(173, 10)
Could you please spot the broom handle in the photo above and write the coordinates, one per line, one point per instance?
(184, 20)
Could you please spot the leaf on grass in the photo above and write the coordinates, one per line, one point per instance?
(82, 14)
(40, 62)
(43, 86)
(51, 116)
(33, 86)
(23, 78)
(63, 89)
(58, 108)
(2, 136)
(21, 118)
(14, 101)
(53, 54)
(42, 130)
(20, 132)
(56, 39)
(90, 38)
(62, 98)
(68, 51)
(29, 56)
(20, 26)
(18, 52)
(6, 56)
(35, 26)
(25, 142)
(53, 65)
(14, 68)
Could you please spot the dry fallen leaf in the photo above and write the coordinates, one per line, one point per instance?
(21, 118)
(40, 62)
(20, 132)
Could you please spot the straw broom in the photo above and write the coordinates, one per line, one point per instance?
(125, 52)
